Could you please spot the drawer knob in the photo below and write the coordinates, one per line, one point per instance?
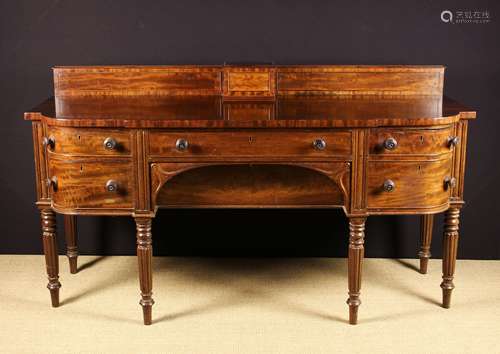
(390, 144)
(450, 182)
(48, 142)
(110, 143)
(112, 186)
(453, 141)
(52, 183)
(181, 144)
(389, 185)
(319, 144)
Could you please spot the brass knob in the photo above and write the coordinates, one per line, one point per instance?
(110, 143)
(181, 144)
(389, 185)
(319, 144)
(51, 183)
(453, 141)
(112, 186)
(450, 182)
(390, 144)
(48, 142)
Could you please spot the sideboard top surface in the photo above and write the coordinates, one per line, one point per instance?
(266, 96)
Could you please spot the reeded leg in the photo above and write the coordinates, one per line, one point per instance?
(355, 262)
(144, 256)
(450, 246)
(71, 237)
(427, 222)
(48, 219)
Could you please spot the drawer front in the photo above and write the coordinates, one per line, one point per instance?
(410, 141)
(251, 144)
(84, 184)
(415, 184)
(90, 141)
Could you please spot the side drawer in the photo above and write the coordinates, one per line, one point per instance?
(84, 184)
(251, 143)
(387, 141)
(415, 184)
(89, 141)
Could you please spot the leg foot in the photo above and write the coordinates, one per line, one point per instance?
(353, 311)
(427, 222)
(144, 257)
(450, 247)
(48, 220)
(71, 242)
(147, 313)
(354, 265)
(54, 296)
(447, 298)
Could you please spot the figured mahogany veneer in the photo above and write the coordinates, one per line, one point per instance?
(412, 142)
(74, 141)
(127, 140)
(81, 185)
(417, 184)
(251, 143)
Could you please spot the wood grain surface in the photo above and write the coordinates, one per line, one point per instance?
(127, 140)
(418, 184)
(250, 143)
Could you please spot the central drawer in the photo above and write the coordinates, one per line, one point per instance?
(250, 143)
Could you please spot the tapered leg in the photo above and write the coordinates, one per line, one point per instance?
(427, 222)
(354, 265)
(144, 256)
(71, 239)
(450, 246)
(48, 219)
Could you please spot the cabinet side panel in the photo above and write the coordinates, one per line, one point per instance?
(40, 162)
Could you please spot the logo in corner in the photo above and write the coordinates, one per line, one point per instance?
(447, 16)
(460, 17)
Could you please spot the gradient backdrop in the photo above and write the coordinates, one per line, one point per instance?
(38, 34)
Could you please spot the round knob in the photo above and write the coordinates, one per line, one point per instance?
(111, 186)
(450, 182)
(181, 144)
(390, 144)
(49, 142)
(52, 183)
(110, 143)
(319, 144)
(453, 141)
(389, 185)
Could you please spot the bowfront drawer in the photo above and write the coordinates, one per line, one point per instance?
(87, 183)
(89, 141)
(252, 143)
(423, 184)
(390, 142)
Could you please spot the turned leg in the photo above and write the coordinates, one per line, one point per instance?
(425, 241)
(144, 256)
(450, 246)
(71, 247)
(355, 262)
(48, 218)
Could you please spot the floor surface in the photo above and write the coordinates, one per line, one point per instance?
(206, 305)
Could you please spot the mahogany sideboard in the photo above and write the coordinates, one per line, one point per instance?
(127, 140)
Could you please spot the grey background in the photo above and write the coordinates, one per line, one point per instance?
(35, 35)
